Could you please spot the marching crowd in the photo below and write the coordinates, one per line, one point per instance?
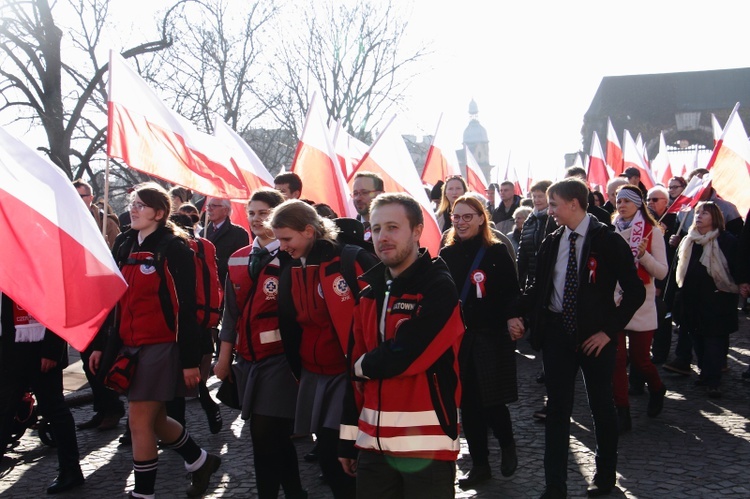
(348, 330)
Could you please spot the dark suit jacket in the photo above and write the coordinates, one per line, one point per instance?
(228, 239)
(596, 310)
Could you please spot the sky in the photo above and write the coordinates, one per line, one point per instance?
(533, 66)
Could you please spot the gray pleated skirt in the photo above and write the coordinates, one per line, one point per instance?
(320, 402)
(158, 374)
(266, 387)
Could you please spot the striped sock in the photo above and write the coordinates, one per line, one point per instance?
(145, 477)
(188, 449)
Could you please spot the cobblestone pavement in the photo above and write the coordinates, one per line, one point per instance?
(698, 447)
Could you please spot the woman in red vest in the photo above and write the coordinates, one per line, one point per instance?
(265, 383)
(156, 305)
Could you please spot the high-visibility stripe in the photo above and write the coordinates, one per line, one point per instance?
(238, 260)
(415, 443)
(348, 432)
(399, 418)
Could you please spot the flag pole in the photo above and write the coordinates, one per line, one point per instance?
(105, 216)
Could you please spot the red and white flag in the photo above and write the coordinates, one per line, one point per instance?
(661, 166)
(716, 127)
(729, 165)
(441, 161)
(317, 165)
(614, 151)
(248, 164)
(55, 262)
(632, 158)
(474, 176)
(349, 150)
(597, 176)
(691, 194)
(152, 138)
(389, 157)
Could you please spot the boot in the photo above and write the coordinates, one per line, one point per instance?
(509, 460)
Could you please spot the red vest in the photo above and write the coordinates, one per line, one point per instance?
(258, 333)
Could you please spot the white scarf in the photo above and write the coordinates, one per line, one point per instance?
(712, 258)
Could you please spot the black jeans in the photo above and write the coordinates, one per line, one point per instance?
(711, 352)
(561, 363)
(386, 477)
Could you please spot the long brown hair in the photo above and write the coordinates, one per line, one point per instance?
(485, 232)
(155, 196)
(444, 203)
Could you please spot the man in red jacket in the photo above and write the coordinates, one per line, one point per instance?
(406, 335)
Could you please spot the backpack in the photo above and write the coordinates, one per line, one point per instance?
(208, 291)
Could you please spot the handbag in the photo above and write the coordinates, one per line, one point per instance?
(121, 373)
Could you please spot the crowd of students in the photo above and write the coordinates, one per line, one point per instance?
(349, 331)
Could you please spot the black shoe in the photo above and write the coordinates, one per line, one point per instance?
(679, 367)
(215, 422)
(624, 423)
(111, 421)
(656, 402)
(596, 490)
(94, 422)
(713, 392)
(553, 493)
(509, 460)
(541, 414)
(201, 476)
(126, 439)
(476, 475)
(66, 480)
(636, 389)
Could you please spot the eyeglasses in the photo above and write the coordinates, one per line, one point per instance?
(674, 187)
(363, 193)
(653, 200)
(466, 217)
(137, 206)
(213, 206)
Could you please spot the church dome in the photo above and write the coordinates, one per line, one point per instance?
(475, 133)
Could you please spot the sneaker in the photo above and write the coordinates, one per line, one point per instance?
(678, 367)
(201, 476)
(215, 422)
(541, 414)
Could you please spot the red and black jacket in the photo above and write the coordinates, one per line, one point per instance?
(409, 374)
(255, 301)
(316, 308)
(155, 310)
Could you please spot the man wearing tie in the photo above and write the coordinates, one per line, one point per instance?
(226, 236)
(574, 321)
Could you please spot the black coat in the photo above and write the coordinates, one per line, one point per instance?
(228, 239)
(52, 346)
(702, 308)
(534, 230)
(487, 355)
(596, 310)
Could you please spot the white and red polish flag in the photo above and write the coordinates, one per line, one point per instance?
(729, 165)
(661, 166)
(716, 127)
(318, 166)
(597, 175)
(55, 262)
(691, 194)
(614, 151)
(441, 161)
(349, 150)
(474, 177)
(254, 173)
(152, 138)
(389, 157)
(632, 158)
